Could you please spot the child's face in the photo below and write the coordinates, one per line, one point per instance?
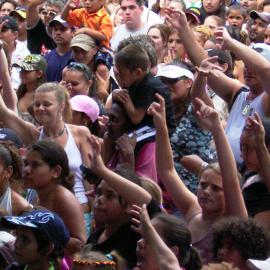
(248, 149)
(93, 5)
(235, 19)
(107, 207)
(26, 246)
(124, 76)
(210, 192)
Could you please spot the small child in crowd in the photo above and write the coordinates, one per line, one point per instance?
(93, 19)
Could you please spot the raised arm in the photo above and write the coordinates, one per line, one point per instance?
(68, 6)
(27, 132)
(32, 16)
(224, 86)
(184, 199)
(234, 202)
(252, 59)
(9, 94)
(131, 192)
(254, 127)
(164, 256)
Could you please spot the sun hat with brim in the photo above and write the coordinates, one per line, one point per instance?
(58, 20)
(264, 16)
(83, 41)
(19, 11)
(32, 62)
(85, 104)
(48, 223)
(174, 72)
(263, 49)
(258, 264)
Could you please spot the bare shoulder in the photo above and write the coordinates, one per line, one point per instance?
(79, 131)
(19, 204)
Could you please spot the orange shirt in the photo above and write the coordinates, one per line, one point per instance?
(99, 21)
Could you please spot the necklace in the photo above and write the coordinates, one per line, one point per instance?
(51, 138)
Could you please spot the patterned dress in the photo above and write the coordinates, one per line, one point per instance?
(189, 138)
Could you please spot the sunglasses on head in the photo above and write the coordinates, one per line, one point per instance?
(80, 67)
(172, 81)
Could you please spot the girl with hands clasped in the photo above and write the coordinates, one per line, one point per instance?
(166, 242)
(114, 194)
(254, 145)
(219, 192)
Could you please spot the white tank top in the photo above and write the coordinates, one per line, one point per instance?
(240, 110)
(5, 201)
(74, 161)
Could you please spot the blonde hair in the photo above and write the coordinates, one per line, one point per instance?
(152, 188)
(205, 32)
(62, 97)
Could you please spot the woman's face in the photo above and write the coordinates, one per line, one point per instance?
(36, 172)
(176, 46)
(118, 18)
(80, 118)
(211, 23)
(5, 175)
(164, 4)
(47, 108)
(211, 6)
(248, 150)
(26, 246)
(155, 35)
(210, 192)
(179, 88)
(28, 77)
(76, 82)
(6, 9)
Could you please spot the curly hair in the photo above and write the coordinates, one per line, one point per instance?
(249, 238)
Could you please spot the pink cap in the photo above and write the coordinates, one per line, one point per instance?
(89, 106)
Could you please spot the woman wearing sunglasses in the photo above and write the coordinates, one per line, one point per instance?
(188, 137)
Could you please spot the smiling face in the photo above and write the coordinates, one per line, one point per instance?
(47, 108)
(210, 192)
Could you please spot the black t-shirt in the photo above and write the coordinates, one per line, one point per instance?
(38, 36)
(142, 95)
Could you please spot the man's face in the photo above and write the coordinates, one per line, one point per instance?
(257, 30)
(131, 14)
(61, 35)
(249, 4)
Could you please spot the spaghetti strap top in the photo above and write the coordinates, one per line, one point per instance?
(74, 161)
(5, 201)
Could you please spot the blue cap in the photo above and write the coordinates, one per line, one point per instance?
(47, 222)
(7, 134)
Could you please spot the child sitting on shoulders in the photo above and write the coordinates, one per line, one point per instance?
(93, 19)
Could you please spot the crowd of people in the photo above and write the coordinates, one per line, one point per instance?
(135, 134)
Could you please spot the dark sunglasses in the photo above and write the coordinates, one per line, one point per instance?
(172, 81)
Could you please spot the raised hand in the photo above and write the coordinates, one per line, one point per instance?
(176, 19)
(222, 37)
(126, 144)
(207, 116)
(209, 65)
(140, 219)
(157, 110)
(97, 165)
(254, 127)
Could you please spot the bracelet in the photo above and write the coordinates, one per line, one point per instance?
(97, 263)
